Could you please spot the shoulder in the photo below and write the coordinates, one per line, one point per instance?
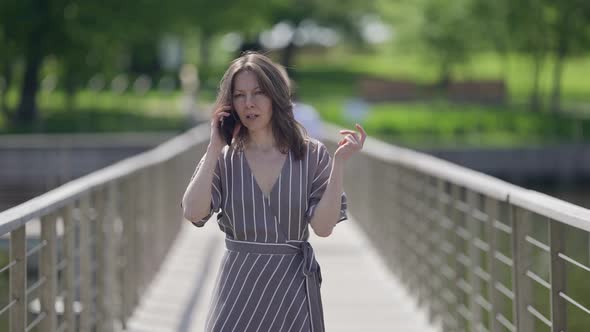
(312, 144)
(225, 153)
(315, 148)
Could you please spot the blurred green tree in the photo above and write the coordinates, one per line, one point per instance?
(445, 33)
(340, 14)
(569, 26)
(84, 36)
(449, 32)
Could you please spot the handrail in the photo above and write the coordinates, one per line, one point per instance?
(61, 196)
(534, 201)
(116, 223)
(432, 220)
(476, 251)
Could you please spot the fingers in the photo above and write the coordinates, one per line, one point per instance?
(351, 139)
(361, 139)
(221, 110)
(220, 113)
(363, 133)
(349, 133)
(345, 131)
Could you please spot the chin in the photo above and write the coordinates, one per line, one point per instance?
(258, 127)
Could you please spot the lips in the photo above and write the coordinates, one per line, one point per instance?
(251, 116)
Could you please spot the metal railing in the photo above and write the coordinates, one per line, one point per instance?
(476, 251)
(479, 253)
(102, 239)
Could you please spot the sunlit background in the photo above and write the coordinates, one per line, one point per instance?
(466, 80)
(429, 74)
(499, 86)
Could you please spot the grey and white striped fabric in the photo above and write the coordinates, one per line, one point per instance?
(269, 279)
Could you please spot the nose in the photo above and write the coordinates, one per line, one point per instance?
(249, 101)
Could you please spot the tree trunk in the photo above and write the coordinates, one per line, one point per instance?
(205, 55)
(27, 108)
(563, 36)
(557, 75)
(7, 73)
(535, 93)
(288, 58)
(70, 89)
(445, 77)
(71, 84)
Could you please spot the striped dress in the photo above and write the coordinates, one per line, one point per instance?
(269, 279)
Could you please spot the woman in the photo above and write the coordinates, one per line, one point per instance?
(270, 183)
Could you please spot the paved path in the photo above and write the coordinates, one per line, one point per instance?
(358, 292)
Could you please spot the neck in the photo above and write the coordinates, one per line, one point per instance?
(261, 140)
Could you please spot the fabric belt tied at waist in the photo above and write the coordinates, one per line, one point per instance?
(311, 270)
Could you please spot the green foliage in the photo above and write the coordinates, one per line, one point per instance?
(328, 86)
(447, 124)
(104, 112)
(97, 120)
(448, 33)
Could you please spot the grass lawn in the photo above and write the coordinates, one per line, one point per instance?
(103, 112)
(515, 69)
(328, 86)
(327, 80)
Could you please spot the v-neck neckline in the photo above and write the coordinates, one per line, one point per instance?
(277, 179)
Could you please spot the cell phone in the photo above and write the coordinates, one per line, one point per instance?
(227, 125)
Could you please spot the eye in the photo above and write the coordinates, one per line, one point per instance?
(238, 95)
(259, 92)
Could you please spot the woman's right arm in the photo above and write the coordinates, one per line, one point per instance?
(196, 201)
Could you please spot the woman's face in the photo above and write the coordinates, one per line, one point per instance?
(253, 106)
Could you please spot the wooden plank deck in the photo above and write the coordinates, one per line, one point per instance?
(358, 292)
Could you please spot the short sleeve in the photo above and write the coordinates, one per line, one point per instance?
(320, 182)
(216, 192)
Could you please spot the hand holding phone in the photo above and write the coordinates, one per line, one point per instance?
(227, 126)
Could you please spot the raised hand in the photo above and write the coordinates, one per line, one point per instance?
(216, 140)
(350, 143)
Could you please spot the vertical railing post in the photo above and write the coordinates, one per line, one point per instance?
(142, 216)
(521, 254)
(435, 213)
(424, 228)
(558, 277)
(69, 273)
(447, 284)
(375, 233)
(86, 289)
(491, 210)
(48, 271)
(152, 212)
(106, 252)
(455, 241)
(390, 202)
(102, 295)
(473, 225)
(403, 252)
(18, 280)
(130, 288)
(159, 217)
(427, 229)
(125, 250)
(408, 253)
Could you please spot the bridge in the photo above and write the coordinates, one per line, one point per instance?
(431, 246)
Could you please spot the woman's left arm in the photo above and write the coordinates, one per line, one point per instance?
(328, 209)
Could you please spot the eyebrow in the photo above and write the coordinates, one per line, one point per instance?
(256, 87)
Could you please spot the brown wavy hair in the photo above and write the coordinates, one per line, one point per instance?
(273, 81)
